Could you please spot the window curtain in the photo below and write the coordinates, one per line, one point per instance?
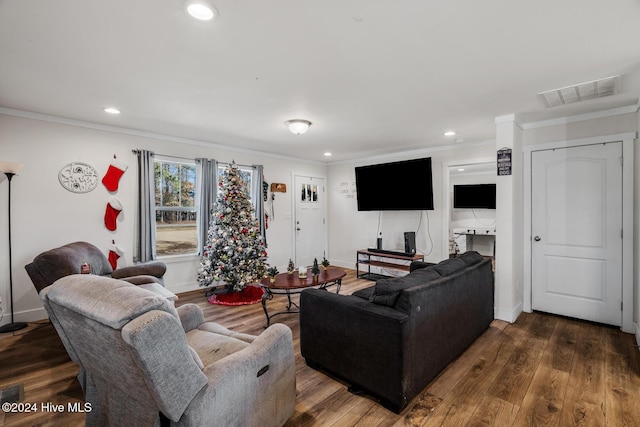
(256, 196)
(146, 232)
(207, 184)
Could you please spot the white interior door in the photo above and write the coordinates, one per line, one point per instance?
(576, 223)
(309, 224)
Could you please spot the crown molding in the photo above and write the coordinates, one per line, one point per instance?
(144, 134)
(509, 118)
(583, 117)
(415, 153)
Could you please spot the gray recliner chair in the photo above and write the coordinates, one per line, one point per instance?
(144, 362)
(53, 264)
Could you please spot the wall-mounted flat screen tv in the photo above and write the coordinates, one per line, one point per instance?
(398, 186)
(474, 196)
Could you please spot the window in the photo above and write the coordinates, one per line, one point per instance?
(246, 173)
(175, 207)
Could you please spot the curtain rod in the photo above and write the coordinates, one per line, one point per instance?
(136, 151)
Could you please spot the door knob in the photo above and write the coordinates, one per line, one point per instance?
(537, 238)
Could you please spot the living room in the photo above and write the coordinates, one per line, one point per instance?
(45, 139)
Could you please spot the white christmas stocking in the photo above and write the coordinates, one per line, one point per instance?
(112, 177)
(111, 214)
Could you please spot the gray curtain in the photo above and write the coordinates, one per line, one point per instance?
(258, 201)
(146, 232)
(207, 185)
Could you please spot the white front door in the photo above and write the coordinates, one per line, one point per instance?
(576, 229)
(309, 223)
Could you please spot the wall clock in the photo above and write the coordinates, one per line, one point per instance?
(78, 177)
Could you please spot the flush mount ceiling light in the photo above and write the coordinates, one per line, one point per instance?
(111, 110)
(200, 10)
(298, 126)
(449, 133)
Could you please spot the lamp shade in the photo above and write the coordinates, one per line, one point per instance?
(298, 126)
(10, 167)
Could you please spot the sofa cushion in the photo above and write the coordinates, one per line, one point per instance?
(448, 266)
(471, 257)
(211, 347)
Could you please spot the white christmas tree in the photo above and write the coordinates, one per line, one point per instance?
(234, 252)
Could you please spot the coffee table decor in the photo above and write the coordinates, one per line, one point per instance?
(292, 284)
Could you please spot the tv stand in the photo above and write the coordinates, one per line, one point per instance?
(391, 260)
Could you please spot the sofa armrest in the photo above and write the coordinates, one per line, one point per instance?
(191, 316)
(141, 280)
(151, 268)
(359, 341)
(416, 265)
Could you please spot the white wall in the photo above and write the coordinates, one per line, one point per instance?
(45, 215)
(350, 230)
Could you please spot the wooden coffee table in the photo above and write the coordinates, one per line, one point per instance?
(290, 284)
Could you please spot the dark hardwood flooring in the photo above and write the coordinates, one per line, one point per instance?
(542, 370)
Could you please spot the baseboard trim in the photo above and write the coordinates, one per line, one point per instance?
(508, 315)
(185, 287)
(27, 316)
(636, 332)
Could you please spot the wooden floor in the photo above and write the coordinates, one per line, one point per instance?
(542, 370)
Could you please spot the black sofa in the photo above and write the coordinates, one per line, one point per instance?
(391, 339)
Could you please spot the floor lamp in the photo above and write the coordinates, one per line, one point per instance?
(10, 169)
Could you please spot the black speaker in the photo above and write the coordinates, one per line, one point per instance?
(410, 242)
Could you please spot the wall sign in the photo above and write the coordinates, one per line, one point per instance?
(504, 161)
(78, 177)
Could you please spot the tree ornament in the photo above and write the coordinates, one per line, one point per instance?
(234, 253)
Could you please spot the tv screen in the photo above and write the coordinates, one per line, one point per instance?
(474, 196)
(396, 186)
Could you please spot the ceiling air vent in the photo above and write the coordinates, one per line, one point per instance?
(580, 92)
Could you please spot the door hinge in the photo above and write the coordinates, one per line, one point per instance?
(621, 306)
(622, 233)
(621, 161)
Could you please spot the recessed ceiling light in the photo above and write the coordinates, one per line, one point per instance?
(449, 133)
(111, 110)
(328, 154)
(201, 10)
(461, 170)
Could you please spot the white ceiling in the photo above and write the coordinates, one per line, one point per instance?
(373, 76)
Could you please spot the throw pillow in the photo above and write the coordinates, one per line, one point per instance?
(364, 293)
(471, 257)
(387, 291)
(448, 266)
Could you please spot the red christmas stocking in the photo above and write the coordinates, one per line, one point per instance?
(112, 177)
(111, 214)
(114, 253)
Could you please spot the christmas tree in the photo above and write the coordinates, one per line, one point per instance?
(234, 252)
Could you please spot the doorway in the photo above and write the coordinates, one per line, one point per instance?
(310, 228)
(626, 211)
(576, 223)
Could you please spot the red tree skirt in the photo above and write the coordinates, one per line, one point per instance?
(249, 295)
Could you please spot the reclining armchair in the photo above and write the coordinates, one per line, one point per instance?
(146, 363)
(51, 265)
